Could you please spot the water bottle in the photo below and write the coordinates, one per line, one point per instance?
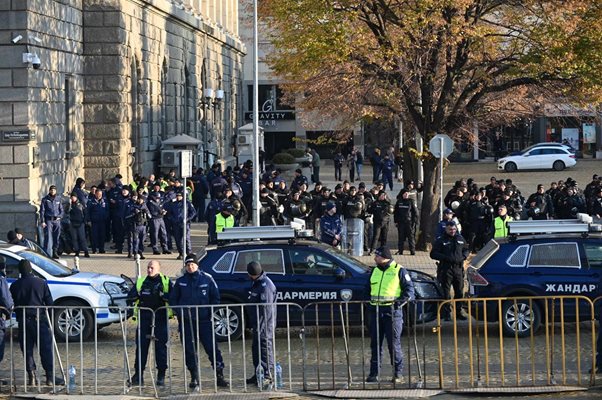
(278, 376)
(72, 373)
(260, 376)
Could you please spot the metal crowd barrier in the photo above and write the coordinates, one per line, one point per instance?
(326, 346)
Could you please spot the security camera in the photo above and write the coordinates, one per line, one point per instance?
(16, 39)
(35, 62)
(37, 39)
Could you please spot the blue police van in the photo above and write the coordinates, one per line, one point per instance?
(303, 271)
(539, 258)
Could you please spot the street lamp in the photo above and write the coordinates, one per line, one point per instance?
(206, 103)
(219, 96)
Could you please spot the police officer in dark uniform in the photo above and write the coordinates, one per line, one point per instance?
(263, 322)
(51, 212)
(381, 211)
(405, 218)
(269, 208)
(137, 218)
(98, 214)
(390, 286)
(157, 230)
(197, 288)
(175, 212)
(6, 304)
(213, 208)
(387, 167)
(151, 292)
(299, 180)
(450, 250)
(541, 206)
(77, 226)
(331, 226)
(28, 291)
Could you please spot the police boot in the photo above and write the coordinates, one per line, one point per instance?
(136, 380)
(165, 251)
(31, 378)
(156, 252)
(129, 254)
(58, 381)
(194, 380)
(221, 382)
(142, 256)
(87, 255)
(161, 377)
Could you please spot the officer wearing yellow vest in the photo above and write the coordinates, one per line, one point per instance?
(151, 292)
(390, 287)
(500, 224)
(224, 219)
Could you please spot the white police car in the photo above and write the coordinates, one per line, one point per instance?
(73, 288)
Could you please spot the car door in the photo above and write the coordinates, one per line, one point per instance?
(531, 159)
(593, 255)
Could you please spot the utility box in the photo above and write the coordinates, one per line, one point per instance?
(172, 147)
(244, 142)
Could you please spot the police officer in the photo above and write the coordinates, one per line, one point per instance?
(197, 288)
(269, 208)
(338, 165)
(98, 214)
(151, 293)
(299, 180)
(390, 287)
(137, 218)
(500, 223)
(6, 304)
(387, 168)
(224, 219)
(31, 291)
(450, 250)
(175, 212)
(122, 206)
(541, 206)
(330, 226)
(405, 218)
(263, 322)
(51, 212)
(381, 211)
(157, 230)
(77, 226)
(213, 209)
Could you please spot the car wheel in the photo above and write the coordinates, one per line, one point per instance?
(558, 165)
(227, 322)
(520, 318)
(72, 321)
(510, 167)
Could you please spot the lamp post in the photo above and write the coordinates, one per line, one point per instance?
(206, 103)
(255, 200)
(217, 100)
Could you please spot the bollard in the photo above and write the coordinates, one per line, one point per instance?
(76, 262)
(137, 258)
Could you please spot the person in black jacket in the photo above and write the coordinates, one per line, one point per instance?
(30, 291)
(405, 218)
(263, 322)
(77, 225)
(450, 250)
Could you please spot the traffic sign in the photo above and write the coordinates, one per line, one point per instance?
(186, 163)
(441, 145)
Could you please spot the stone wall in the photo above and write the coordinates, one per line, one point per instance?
(116, 78)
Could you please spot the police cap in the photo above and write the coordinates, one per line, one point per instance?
(384, 252)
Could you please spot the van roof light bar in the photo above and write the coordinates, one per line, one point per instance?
(295, 229)
(582, 224)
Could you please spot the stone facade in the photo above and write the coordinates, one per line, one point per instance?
(116, 77)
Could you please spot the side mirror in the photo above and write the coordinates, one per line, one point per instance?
(340, 274)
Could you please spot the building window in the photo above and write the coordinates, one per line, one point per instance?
(270, 99)
(164, 102)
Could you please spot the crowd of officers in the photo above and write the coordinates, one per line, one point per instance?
(483, 212)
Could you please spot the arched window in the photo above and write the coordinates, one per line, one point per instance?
(164, 101)
(135, 86)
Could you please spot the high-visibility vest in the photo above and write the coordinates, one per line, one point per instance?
(221, 222)
(385, 286)
(501, 226)
(140, 281)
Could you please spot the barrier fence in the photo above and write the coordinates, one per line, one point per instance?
(516, 342)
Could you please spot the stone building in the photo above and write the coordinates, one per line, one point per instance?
(91, 88)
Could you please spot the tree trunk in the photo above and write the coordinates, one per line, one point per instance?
(429, 214)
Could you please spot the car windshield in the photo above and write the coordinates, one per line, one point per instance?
(357, 266)
(47, 264)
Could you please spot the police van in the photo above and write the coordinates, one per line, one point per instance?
(538, 258)
(303, 271)
(72, 288)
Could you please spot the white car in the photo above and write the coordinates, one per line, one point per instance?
(73, 288)
(539, 157)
